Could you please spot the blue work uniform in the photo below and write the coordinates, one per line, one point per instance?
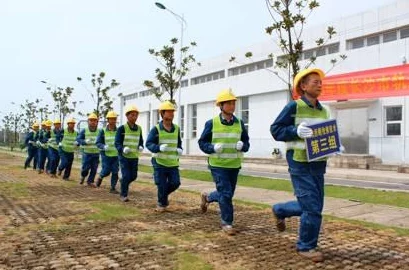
(129, 166)
(90, 155)
(109, 157)
(30, 143)
(307, 179)
(66, 152)
(54, 137)
(224, 178)
(167, 178)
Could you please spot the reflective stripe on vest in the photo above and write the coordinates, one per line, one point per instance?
(91, 148)
(305, 113)
(52, 142)
(110, 141)
(131, 140)
(170, 157)
(68, 141)
(228, 136)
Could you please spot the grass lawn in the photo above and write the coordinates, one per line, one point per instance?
(393, 198)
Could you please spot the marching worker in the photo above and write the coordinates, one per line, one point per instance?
(67, 147)
(224, 139)
(291, 126)
(129, 143)
(42, 146)
(31, 145)
(109, 154)
(54, 138)
(44, 141)
(166, 145)
(90, 152)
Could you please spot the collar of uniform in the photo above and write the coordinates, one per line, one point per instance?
(161, 127)
(319, 106)
(134, 128)
(110, 130)
(224, 121)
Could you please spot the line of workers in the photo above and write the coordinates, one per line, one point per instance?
(224, 139)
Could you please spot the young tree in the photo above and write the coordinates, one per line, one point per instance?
(288, 20)
(12, 125)
(30, 110)
(100, 95)
(61, 98)
(43, 112)
(171, 72)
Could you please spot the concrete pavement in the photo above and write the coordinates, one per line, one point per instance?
(380, 214)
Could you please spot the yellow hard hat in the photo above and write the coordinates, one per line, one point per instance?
(71, 121)
(48, 123)
(44, 123)
(57, 121)
(225, 95)
(92, 116)
(304, 73)
(167, 106)
(35, 125)
(111, 114)
(131, 108)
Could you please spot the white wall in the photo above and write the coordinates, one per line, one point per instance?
(265, 90)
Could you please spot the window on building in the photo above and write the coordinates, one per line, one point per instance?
(373, 40)
(356, 43)
(320, 51)
(182, 121)
(308, 54)
(221, 74)
(389, 36)
(393, 120)
(244, 111)
(194, 121)
(184, 83)
(269, 63)
(404, 32)
(260, 65)
(333, 48)
(243, 69)
(156, 116)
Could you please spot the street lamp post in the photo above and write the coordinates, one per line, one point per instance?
(183, 25)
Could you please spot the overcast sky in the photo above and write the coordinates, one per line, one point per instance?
(59, 40)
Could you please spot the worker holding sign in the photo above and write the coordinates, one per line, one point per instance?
(292, 127)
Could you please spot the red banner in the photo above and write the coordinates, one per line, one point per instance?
(373, 83)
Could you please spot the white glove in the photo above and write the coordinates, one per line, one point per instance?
(60, 144)
(75, 143)
(88, 141)
(50, 140)
(163, 147)
(218, 147)
(106, 147)
(31, 142)
(126, 150)
(303, 131)
(239, 145)
(38, 143)
(180, 151)
(341, 149)
(140, 148)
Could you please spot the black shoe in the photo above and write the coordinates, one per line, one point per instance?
(66, 179)
(59, 173)
(82, 180)
(113, 191)
(99, 181)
